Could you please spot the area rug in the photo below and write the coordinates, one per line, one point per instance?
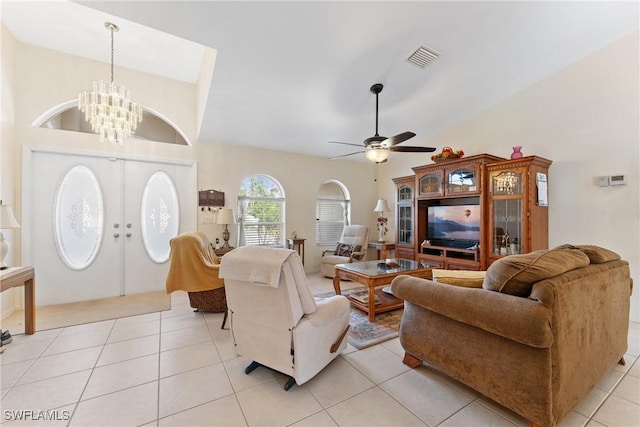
(76, 313)
(362, 333)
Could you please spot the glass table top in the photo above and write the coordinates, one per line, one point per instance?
(386, 266)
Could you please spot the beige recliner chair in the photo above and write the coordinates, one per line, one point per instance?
(351, 247)
(275, 320)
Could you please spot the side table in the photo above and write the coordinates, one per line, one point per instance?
(22, 276)
(297, 245)
(383, 249)
(221, 251)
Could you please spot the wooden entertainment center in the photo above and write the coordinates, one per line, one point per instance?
(466, 213)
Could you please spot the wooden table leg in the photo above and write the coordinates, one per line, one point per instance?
(29, 306)
(372, 304)
(336, 283)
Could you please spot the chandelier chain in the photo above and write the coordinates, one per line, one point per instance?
(112, 50)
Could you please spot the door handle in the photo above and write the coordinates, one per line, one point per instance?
(116, 225)
(116, 235)
(129, 225)
(128, 235)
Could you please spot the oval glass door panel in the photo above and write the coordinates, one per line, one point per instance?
(79, 217)
(160, 216)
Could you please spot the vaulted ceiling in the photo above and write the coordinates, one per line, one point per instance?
(292, 76)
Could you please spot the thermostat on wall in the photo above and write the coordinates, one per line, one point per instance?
(603, 181)
(617, 180)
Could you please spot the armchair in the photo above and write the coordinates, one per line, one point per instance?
(275, 320)
(352, 247)
(193, 268)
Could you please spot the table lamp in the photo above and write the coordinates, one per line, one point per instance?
(382, 206)
(226, 217)
(7, 221)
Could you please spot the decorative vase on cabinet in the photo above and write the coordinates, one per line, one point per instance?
(516, 152)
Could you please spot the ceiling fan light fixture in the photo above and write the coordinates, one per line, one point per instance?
(376, 154)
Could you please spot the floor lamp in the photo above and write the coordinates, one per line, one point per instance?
(7, 221)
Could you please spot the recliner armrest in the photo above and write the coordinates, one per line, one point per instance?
(354, 254)
(516, 318)
(328, 309)
(328, 252)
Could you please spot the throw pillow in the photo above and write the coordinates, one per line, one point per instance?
(357, 248)
(516, 274)
(463, 278)
(596, 254)
(344, 249)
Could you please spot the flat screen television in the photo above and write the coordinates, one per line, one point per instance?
(455, 225)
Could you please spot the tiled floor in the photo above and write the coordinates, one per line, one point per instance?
(178, 368)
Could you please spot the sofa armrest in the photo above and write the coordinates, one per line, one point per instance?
(328, 252)
(518, 319)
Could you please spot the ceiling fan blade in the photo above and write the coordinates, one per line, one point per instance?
(345, 155)
(413, 149)
(345, 143)
(401, 137)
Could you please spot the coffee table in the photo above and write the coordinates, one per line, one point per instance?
(374, 275)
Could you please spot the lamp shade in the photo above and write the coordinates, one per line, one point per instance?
(7, 220)
(382, 206)
(226, 216)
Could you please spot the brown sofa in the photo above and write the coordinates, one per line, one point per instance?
(542, 331)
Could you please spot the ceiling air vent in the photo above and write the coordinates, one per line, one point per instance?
(424, 56)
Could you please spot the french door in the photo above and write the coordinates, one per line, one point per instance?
(99, 226)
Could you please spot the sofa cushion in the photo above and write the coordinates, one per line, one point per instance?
(596, 254)
(466, 279)
(516, 274)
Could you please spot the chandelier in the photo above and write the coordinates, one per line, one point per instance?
(109, 108)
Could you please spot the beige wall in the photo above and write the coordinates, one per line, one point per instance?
(586, 118)
(49, 78)
(9, 148)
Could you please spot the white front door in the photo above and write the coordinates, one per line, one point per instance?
(160, 201)
(99, 226)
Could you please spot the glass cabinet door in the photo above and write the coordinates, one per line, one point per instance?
(463, 180)
(431, 184)
(506, 183)
(405, 215)
(405, 224)
(507, 190)
(507, 226)
(405, 194)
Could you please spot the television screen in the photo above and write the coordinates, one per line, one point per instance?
(454, 223)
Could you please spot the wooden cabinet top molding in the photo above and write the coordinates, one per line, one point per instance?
(404, 179)
(523, 161)
(464, 161)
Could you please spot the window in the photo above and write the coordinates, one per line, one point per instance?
(332, 213)
(261, 212)
(152, 128)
